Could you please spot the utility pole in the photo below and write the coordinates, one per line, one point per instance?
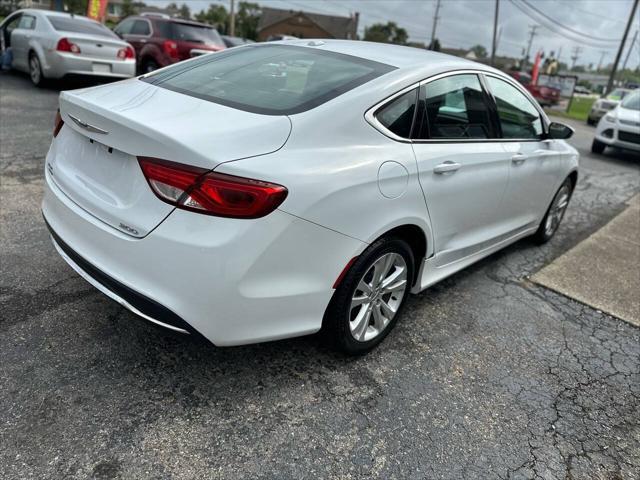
(494, 44)
(602, 54)
(575, 55)
(435, 23)
(532, 33)
(631, 45)
(622, 42)
(559, 55)
(232, 19)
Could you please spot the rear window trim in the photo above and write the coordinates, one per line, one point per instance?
(379, 69)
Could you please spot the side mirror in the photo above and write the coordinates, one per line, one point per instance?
(559, 131)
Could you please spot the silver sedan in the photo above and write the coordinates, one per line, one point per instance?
(52, 44)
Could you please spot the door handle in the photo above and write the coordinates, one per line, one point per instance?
(518, 158)
(446, 167)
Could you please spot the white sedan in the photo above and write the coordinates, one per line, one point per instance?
(620, 127)
(215, 197)
(48, 44)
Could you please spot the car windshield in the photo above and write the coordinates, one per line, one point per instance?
(196, 34)
(632, 101)
(80, 25)
(617, 94)
(269, 79)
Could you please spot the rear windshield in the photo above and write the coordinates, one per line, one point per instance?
(269, 79)
(80, 25)
(196, 34)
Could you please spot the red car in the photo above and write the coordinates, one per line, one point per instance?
(160, 40)
(545, 96)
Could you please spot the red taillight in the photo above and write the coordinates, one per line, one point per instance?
(64, 45)
(212, 193)
(57, 124)
(125, 53)
(170, 48)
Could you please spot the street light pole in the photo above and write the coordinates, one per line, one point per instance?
(435, 23)
(494, 44)
(232, 19)
(622, 42)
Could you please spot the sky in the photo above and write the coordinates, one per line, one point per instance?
(597, 25)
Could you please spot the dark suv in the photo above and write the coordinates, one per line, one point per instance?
(160, 41)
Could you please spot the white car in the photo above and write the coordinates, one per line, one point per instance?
(604, 105)
(620, 127)
(50, 45)
(213, 197)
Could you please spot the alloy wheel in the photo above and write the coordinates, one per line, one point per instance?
(378, 297)
(34, 69)
(556, 212)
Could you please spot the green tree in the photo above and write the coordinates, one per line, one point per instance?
(479, 51)
(435, 45)
(79, 7)
(247, 20)
(184, 12)
(386, 33)
(217, 16)
(129, 8)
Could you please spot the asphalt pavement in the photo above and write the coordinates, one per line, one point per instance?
(487, 375)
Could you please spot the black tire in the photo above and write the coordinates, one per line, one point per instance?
(148, 66)
(590, 121)
(544, 234)
(597, 146)
(35, 70)
(337, 318)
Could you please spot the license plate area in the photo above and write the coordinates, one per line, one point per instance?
(101, 67)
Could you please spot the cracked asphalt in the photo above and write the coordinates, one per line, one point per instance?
(487, 375)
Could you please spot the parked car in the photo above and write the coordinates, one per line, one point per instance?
(603, 105)
(620, 127)
(579, 90)
(278, 37)
(235, 41)
(49, 45)
(252, 207)
(160, 40)
(546, 96)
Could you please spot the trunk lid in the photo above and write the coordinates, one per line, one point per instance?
(100, 172)
(96, 46)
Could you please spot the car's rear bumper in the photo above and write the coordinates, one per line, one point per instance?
(233, 281)
(59, 64)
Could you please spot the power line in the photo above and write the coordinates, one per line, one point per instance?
(551, 27)
(566, 27)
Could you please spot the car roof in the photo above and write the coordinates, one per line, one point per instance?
(395, 55)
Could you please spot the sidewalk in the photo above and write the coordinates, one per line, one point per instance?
(603, 271)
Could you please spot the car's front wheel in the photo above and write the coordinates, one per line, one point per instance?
(555, 213)
(597, 146)
(367, 303)
(35, 70)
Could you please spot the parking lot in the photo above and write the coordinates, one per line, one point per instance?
(487, 375)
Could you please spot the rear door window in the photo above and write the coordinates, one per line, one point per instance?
(124, 28)
(269, 79)
(456, 108)
(28, 22)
